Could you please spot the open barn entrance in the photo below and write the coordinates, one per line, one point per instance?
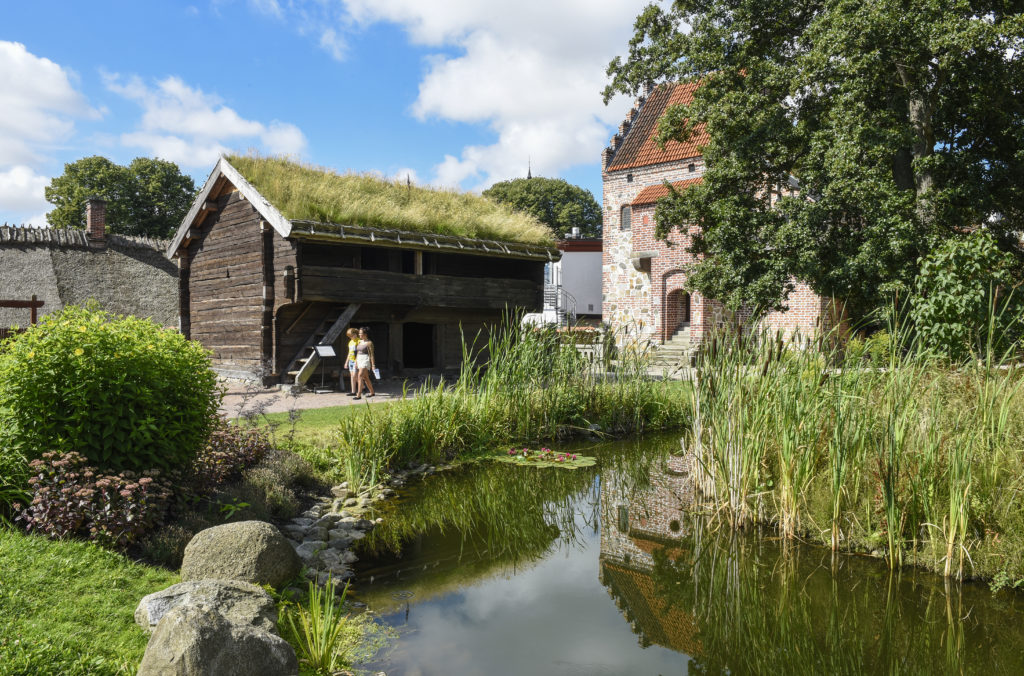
(417, 345)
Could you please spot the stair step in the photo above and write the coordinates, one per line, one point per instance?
(293, 373)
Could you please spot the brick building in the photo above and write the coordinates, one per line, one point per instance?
(644, 280)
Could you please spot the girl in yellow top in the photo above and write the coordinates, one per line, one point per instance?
(353, 340)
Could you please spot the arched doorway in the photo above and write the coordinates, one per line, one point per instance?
(677, 315)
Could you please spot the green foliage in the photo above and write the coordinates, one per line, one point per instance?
(318, 629)
(918, 459)
(305, 192)
(122, 391)
(71, 499)
(526, 385)
(545, 457)
(967, 295)
(901, 120)
(555, 202)
(147, 197)
(66, 607)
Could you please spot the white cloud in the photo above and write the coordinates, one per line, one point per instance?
(532, 70)
(185, 125)
(38, 108)
(21, 191)
(405, 174)
(333, 43)
(38, 104)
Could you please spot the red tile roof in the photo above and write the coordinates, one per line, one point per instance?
(661, 622)
(639, 149)
(653, 193)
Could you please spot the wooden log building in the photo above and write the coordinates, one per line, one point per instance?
(263, 291)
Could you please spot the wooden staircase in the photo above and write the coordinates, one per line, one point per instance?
(304, 364)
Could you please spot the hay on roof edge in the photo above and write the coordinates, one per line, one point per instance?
(302, 192)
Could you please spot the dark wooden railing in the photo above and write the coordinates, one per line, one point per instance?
(31, 305)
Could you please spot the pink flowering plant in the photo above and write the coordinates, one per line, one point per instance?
(72, 499)
(545, 457)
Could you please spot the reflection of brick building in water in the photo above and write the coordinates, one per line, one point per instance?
(636, 522)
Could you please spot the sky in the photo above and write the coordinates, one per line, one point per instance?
(452, 93)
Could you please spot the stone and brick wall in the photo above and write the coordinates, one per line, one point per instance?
(646, 302)
(634, 298)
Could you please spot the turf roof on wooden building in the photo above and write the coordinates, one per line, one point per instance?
(303, 201)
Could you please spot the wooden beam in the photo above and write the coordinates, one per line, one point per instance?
(345, 285)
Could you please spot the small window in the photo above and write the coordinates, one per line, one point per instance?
(623, 518)
(627, 218)
(629, 178)
(692, 168)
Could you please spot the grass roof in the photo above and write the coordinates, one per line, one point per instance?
(305, 192)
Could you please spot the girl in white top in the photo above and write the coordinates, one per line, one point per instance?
(365, 362)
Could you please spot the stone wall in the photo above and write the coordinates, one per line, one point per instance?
(125, 275)
(631, 297)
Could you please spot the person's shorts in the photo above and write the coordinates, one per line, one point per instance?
(363, 361)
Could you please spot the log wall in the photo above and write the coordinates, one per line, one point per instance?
(225, 273)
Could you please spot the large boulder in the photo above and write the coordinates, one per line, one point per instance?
(253, 551)
(199, 641)
(239, 602)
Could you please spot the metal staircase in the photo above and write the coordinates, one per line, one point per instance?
(561, 303)
(304, 364)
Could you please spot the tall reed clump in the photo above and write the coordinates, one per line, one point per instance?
(520, 385)
(920, 460)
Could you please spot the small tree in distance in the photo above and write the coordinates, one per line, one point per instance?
(148, 197)
(553, 201)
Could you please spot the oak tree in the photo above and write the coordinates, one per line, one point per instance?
(147, 197)
(902, 123)
(553, 201)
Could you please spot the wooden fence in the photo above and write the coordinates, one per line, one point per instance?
(31, 305)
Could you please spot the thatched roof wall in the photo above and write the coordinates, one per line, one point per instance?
(129, 275)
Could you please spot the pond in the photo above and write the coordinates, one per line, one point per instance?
(498, 569)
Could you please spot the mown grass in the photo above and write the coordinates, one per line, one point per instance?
(917, 459)
(525, 386)
(306, 192)
(67, 607)
(312, 424)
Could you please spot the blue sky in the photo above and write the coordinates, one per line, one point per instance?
(457, 93)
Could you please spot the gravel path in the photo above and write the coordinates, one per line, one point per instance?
(279, 402)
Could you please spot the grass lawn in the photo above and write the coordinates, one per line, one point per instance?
(67, 607)
(314, 422)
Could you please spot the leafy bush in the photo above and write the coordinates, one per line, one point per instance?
(968, 299)
(228, 450)
(70, 498)
(122, 391)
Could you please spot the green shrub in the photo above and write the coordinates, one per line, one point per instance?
(968, 299)
(71, 499)
(122, 391)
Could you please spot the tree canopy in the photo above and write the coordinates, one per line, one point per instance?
(902, 121)
(553, 201)
(147, 197)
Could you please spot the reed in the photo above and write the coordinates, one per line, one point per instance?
(516, 386)
(918, 460)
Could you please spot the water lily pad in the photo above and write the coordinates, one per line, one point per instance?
(545, 457)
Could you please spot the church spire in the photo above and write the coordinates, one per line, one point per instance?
(529, 168)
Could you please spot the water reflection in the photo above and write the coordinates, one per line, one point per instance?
(498, 569)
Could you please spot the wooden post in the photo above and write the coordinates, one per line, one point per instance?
(395, 346)
(33, 311)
